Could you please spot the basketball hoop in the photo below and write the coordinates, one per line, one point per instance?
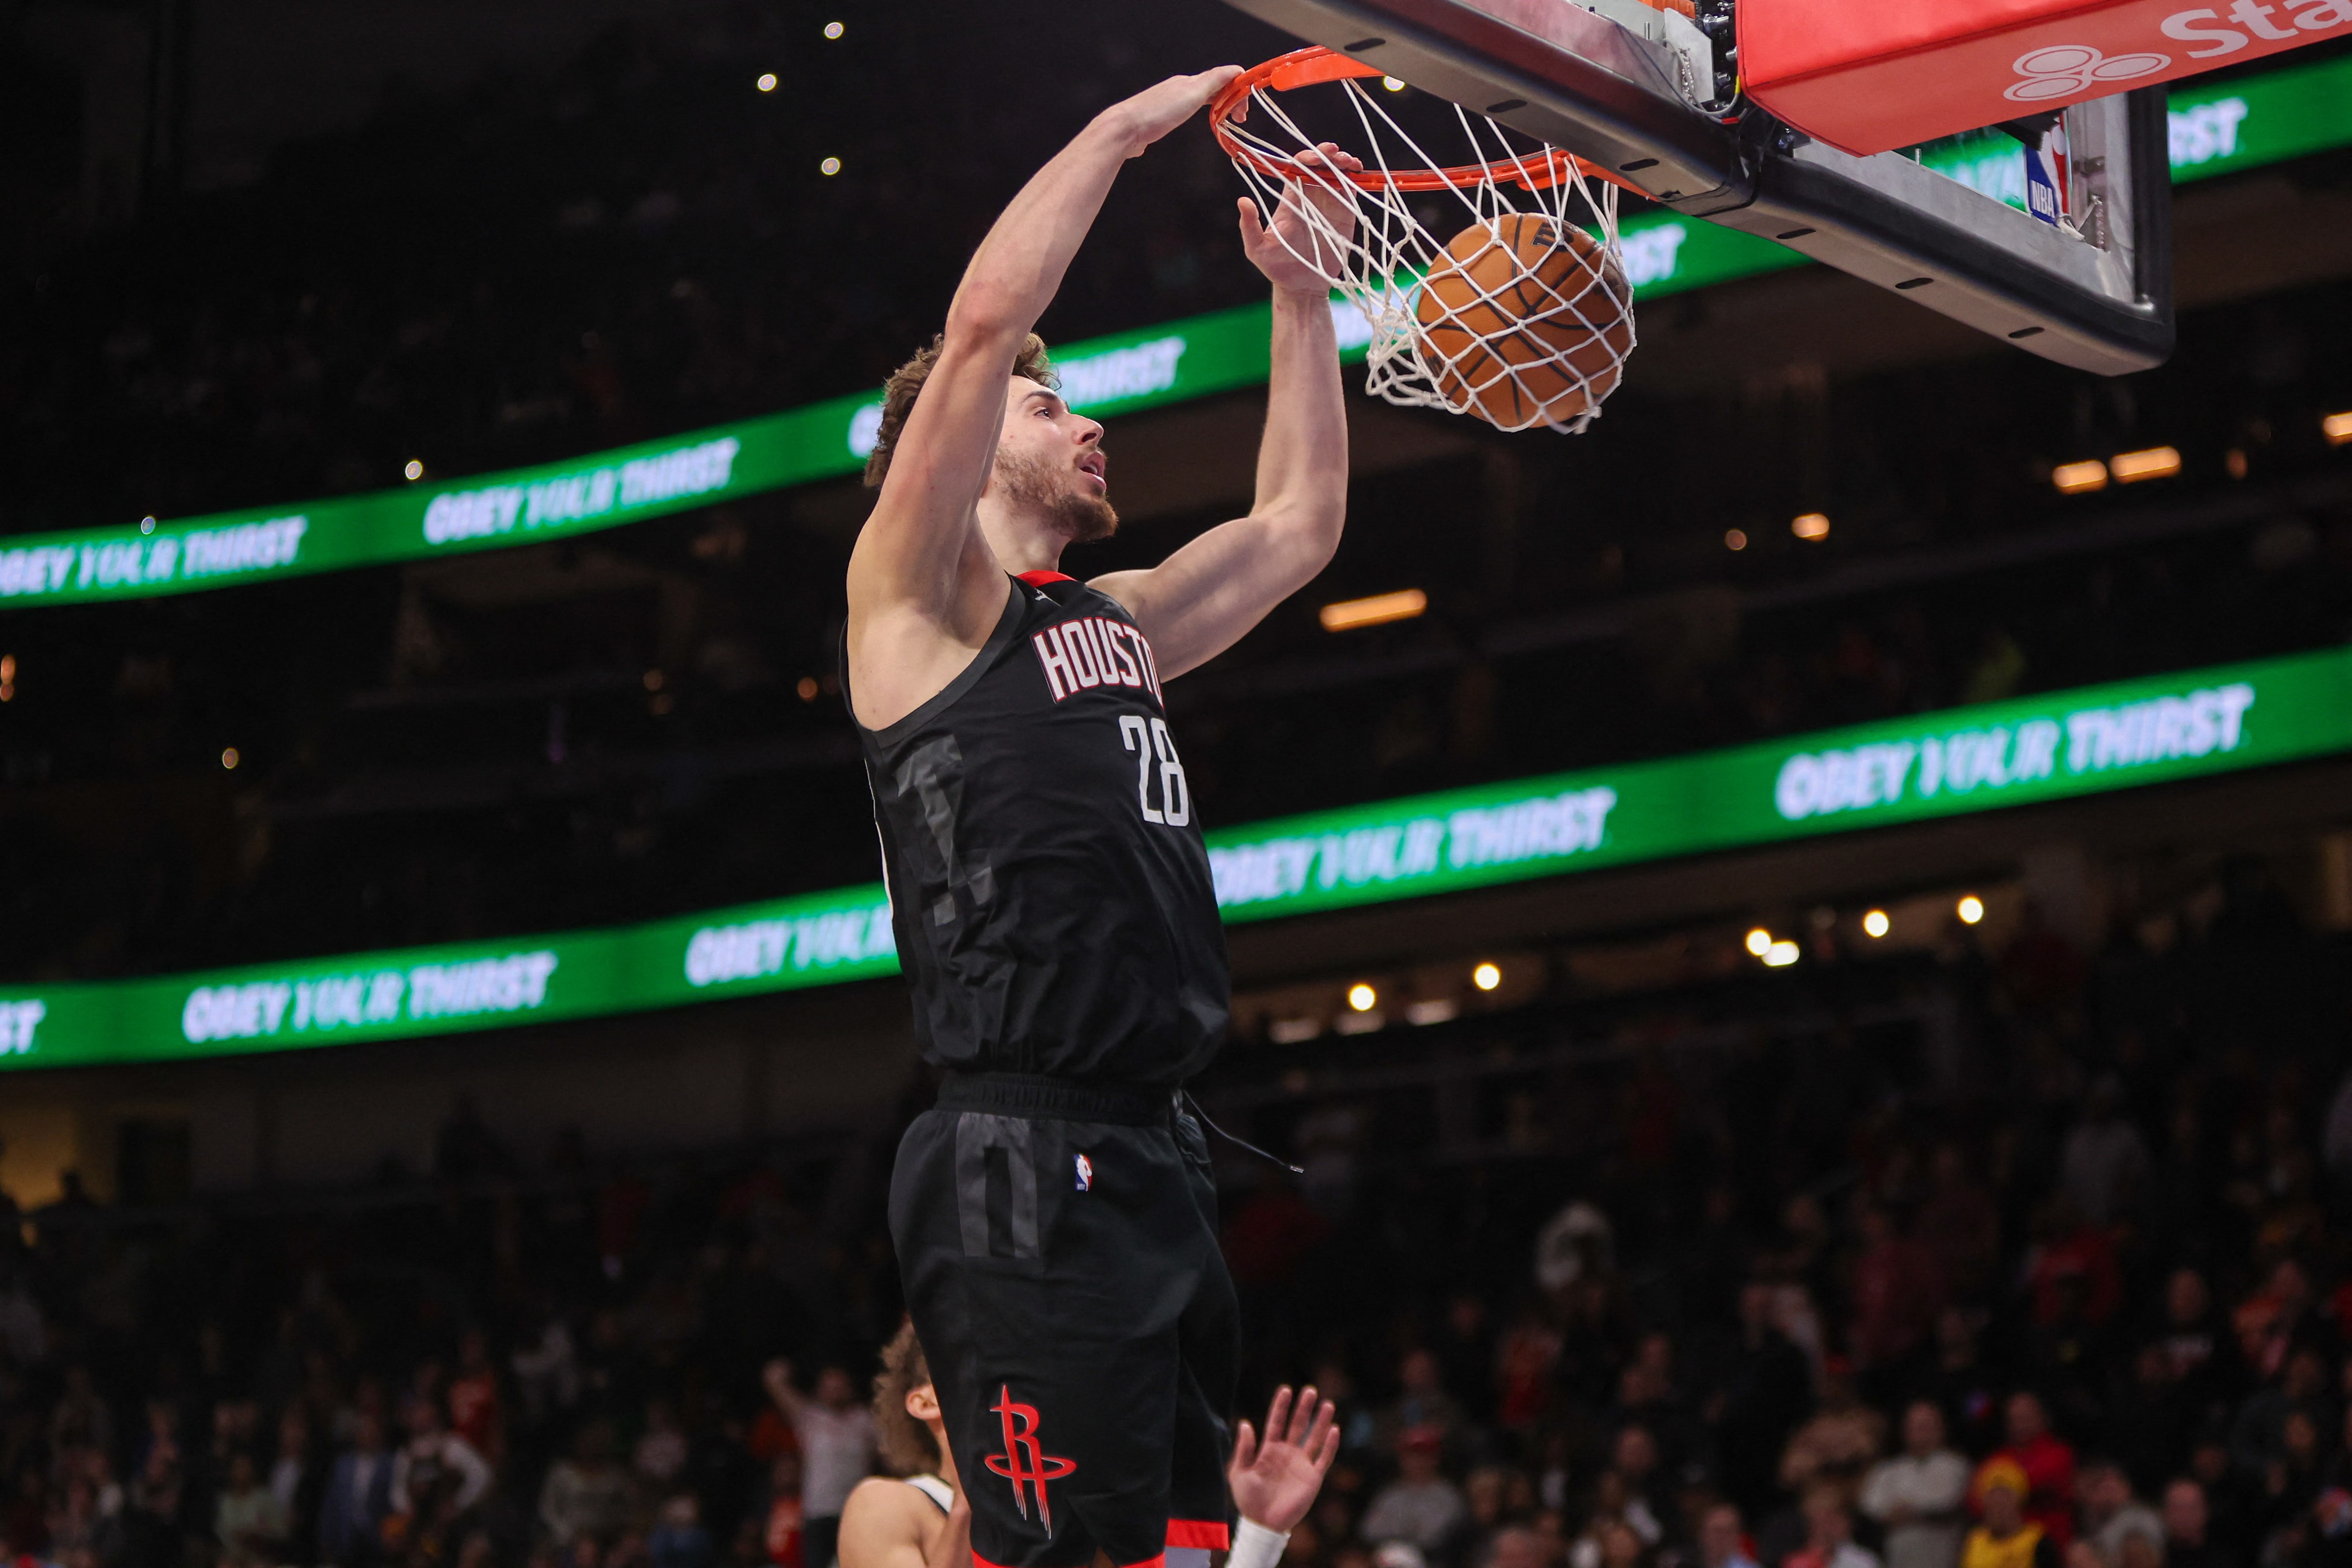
(1523, 317)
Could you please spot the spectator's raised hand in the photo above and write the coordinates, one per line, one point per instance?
(1274, 1481)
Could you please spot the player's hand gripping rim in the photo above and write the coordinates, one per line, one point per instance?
(1158, 110)
(1274, 1481)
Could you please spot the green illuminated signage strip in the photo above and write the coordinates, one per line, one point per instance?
(818, 939)
(1935, 765)
(2216, 129)
(1966, 759)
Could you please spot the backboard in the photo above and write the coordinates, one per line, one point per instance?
(2082, 276)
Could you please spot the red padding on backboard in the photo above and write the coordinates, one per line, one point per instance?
(1869, 75)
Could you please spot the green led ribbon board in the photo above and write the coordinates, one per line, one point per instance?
(1962, 761)
(2216, 129)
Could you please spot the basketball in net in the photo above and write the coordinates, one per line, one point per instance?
(1525, 320)
(1487, 281)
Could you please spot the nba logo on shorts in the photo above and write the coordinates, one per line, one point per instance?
(1086, 1173)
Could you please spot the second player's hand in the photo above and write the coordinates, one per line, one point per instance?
(1159, 109)
(1274, 1481)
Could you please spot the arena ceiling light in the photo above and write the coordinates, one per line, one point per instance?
(1875, 924)
(1361, 997)
(1779, 955)
(2080, 478)
(1487, 976)
(1378, 610)
(2336, 427)
(1810, 526)
(833, 29)
(2153, 463)
(767, 82)
(413, 470)
(1971, 909)
(1759, 941)
(1735, 538)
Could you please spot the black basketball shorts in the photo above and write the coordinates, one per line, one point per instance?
(1058, 1245)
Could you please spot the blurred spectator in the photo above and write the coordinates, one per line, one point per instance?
(294, 1475)
(433, 1458)
(2185, 1523)
(358, 1499)
(2105, 1166)
(1640, 1488)
(781, 1521)
(81, 1419)
(2073, 1273)
(1422, 1402)
(251, 1525)
(836, 1444)
(1960, 1226)
(1917, 1495)
(474, 1411)
(2258, 1439)
(1898, 1291)
(547, 1367)
(587, 1496)
(2046, 1464)
(677, 1539)
(1839, 1443)
(2111, 1513)
(2006, 1537)
(1766, 1393)
(661, 1451)
(1829, 1533)
(1722, 1543)
(1421, 1506)
(1515, 1546)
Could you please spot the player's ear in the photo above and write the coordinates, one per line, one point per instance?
(923, 1402)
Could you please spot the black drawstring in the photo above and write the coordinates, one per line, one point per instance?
(1237, 1142)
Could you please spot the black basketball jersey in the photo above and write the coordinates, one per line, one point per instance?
(1049, 887)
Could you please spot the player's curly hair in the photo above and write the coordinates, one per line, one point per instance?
(906, 1443)
(906, 385)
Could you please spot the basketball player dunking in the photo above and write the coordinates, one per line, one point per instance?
(1050, 892)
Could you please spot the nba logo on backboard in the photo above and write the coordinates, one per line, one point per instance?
(2046, 179)
(2040, 186)
(1086, 1173)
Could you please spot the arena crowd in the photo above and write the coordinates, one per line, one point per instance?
(2060, 1280)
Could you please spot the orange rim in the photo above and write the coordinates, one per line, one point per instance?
(1304, 68)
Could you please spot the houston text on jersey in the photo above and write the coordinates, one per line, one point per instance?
(1095, 651)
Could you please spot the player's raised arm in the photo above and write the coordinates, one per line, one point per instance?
(924, 589)
(1200, 599)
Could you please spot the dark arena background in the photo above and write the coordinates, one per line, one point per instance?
(1802, 938)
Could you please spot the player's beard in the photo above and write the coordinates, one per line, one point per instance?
(1033, 481)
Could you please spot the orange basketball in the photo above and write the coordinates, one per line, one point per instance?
(1525, 319)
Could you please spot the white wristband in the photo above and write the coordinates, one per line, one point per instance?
(1255, 1546)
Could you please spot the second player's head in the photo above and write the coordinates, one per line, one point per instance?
(1050, 473)
(908, 1426)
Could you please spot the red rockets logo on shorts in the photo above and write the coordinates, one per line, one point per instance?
(1024, 1463)
(1092, 651)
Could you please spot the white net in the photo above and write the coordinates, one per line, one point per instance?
(1480, 292)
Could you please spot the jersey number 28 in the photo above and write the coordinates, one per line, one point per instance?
(1149, 738)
